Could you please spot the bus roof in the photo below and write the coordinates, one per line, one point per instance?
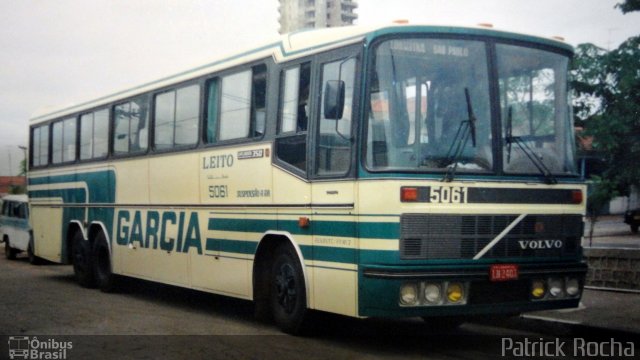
(288, 47)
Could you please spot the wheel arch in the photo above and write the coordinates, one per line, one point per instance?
(73, 227)
(96, 228)
(264, 256)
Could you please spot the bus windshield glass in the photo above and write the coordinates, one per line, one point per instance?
(430, 108)
(419, 111)
(535, 113)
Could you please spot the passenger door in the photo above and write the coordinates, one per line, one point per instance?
(335, 240)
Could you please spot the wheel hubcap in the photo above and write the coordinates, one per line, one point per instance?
(286, 288)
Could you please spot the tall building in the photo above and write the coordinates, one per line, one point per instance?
(308, 14)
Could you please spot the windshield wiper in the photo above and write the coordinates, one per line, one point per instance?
(526, 149)
(472, 117)
(466, 130)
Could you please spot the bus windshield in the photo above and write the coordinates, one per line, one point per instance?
(430, 108)
(535, 111)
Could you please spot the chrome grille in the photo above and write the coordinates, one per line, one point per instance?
(436, 236)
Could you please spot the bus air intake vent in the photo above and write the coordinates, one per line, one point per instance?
(427, 236)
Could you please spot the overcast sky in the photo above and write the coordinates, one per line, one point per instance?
(56, 53)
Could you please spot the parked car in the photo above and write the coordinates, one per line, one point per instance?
(15, 231)
(632, 217)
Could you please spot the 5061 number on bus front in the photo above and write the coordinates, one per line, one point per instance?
(448, 195)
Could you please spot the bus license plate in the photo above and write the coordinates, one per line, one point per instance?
(503, 272)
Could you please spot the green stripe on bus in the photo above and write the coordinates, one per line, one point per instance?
(370, 230)
(319, 253)
(101, 185)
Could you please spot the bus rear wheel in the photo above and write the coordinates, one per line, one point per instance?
(105, 279)
(288, 292)
(82, 268)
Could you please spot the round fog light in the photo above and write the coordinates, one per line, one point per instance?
(537, 289)
(408, 294)
(555, 287)
(432, 293)
(455, 292)
(573, 287)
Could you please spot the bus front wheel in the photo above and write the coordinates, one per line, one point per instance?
(288, 295)
(82, 268)
(105, 278)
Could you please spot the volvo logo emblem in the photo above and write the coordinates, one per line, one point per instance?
(540, 244)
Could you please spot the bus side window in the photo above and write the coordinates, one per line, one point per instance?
(235, 106)
(291, 147)
(131, 129)
(259, 100)
(94, 129)
(40, 141)
(64, 141)
(213, 104)
(243, 105)
(176, 117)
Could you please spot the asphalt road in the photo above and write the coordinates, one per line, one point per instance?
(149, 321)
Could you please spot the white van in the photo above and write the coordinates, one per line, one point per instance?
(15, 231)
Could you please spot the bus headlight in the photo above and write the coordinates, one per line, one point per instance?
(556, 287)
(455, 292)
(572, 287)
(538, 289)
(409, 295)
(432, 293)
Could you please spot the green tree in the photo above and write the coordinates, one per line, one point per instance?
(629, 6)
(23, 167)
(613, 111)
(588, 77)
(607, 104)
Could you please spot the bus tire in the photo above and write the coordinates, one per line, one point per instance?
(82, 267)
(9, 252)
(105, 278)
(634, 228)
(288, 296)
(33, 259)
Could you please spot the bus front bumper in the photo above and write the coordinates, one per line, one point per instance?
(453, 290)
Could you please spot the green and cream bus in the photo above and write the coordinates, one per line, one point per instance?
(399, 171)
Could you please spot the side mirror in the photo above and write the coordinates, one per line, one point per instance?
(333, 99)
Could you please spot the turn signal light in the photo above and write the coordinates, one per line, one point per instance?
(455, 292)
(303, 222)
(409, 194)
(538, 289)
(576, 196)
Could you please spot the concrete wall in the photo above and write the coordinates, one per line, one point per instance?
(613, 268)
